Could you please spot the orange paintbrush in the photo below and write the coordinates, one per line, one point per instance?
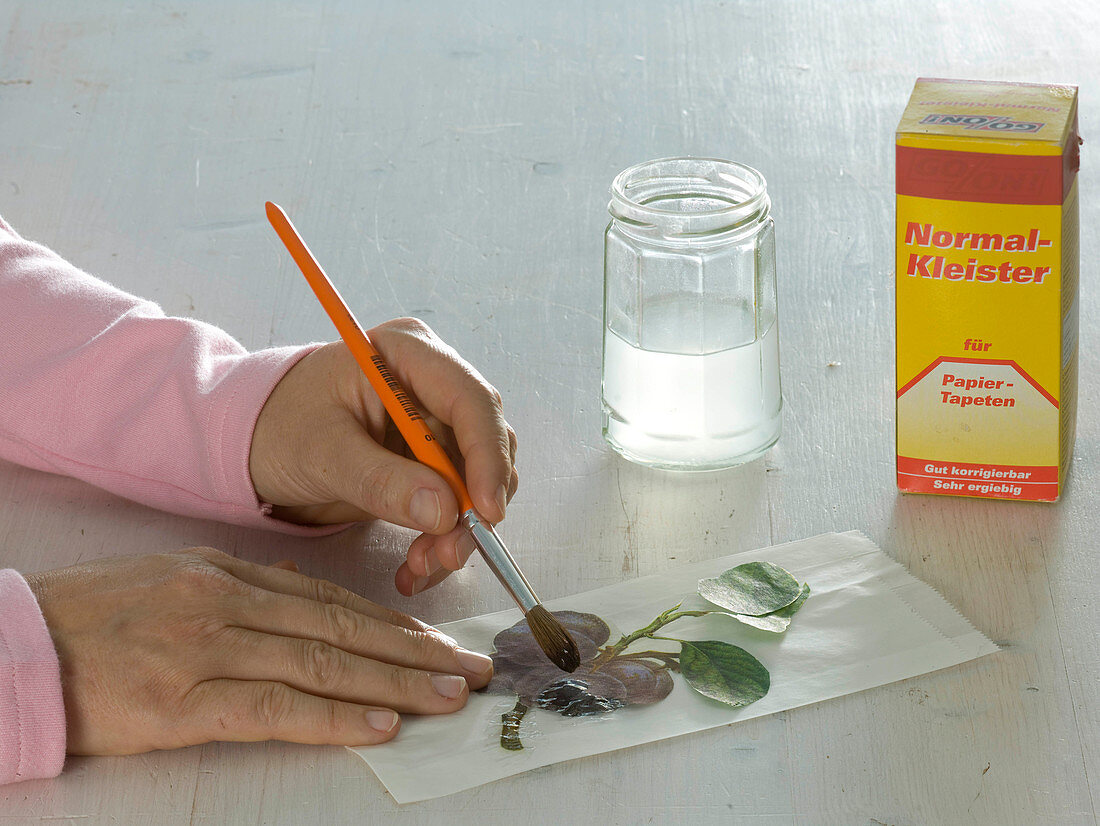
(548, 632)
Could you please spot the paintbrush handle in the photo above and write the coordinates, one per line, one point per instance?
(409, 421)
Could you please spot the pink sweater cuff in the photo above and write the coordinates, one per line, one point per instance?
(234, 403)
(108, 389)
(32, 711)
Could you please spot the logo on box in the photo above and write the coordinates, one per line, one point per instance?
(994, 123)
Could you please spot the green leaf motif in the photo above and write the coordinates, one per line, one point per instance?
(723, 672)
(755, 588)
(767, 622)
(777, 621)
(788, 611)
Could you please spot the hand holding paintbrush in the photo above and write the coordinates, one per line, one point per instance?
(554, 640)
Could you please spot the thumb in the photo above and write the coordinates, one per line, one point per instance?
(366, 475)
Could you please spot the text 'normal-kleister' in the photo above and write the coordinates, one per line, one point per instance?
(987, 275)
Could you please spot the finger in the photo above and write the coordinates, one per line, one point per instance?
(281, 581)
(427, 553)
(358, 634)
(420, 558)
(391, 487)
(253, 710)
(406, 582)
(324, 670)
(410, 584)
(453, 550)
(286, 565)
(459, 396)
(431, 559)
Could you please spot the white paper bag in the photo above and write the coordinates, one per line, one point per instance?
(866, 623)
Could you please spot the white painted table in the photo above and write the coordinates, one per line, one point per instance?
(451, 161)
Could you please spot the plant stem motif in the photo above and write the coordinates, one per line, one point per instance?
(612, 676)
(509, 729)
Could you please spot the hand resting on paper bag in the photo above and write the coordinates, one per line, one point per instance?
(169, 650)
(324, 450)
(158, 651)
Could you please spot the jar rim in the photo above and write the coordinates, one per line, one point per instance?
(638, 191)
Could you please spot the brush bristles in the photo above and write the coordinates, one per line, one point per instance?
(553, 639)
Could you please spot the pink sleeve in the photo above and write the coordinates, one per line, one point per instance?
(108, 389)
(98, 384)
(32, 713)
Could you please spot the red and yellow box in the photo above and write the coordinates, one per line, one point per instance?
(987, 284)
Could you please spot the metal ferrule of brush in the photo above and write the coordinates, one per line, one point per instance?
(500, 561)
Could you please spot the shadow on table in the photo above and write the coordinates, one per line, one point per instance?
(989, 558)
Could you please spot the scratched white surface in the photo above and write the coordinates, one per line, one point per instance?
(451, 160)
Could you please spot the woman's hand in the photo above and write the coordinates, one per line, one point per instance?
(170, 650)
(325, 451)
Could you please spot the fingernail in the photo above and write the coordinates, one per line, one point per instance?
(502, 499)
(431, 562)
(448, 685)
(419, 584)
(465, 548)
(382, 721)
(425, 510)
(473, 662)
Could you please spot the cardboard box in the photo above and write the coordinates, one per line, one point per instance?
(987, 284)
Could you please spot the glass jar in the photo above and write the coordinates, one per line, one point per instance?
(691, 341)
